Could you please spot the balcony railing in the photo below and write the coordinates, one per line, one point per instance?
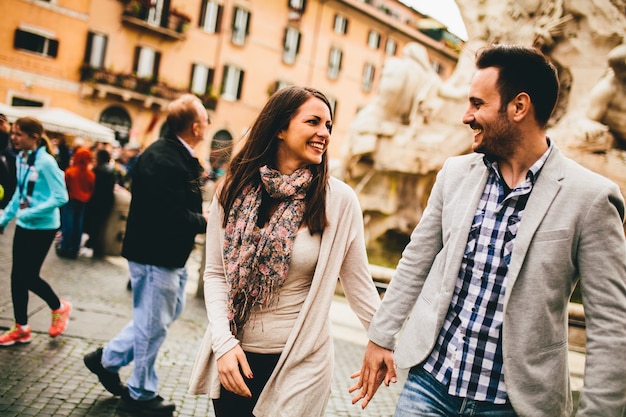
(100, 82)
(172, 25)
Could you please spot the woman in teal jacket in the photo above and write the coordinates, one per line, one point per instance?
(35, 206)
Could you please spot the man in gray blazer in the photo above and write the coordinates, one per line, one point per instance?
(486, 278)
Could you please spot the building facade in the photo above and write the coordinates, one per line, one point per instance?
(120, 62)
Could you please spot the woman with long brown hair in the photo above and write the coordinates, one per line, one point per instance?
(35, 206)
(281, 231)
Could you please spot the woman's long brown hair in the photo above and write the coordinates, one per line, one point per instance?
(261, 148)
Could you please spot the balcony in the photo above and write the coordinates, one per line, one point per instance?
(139, 14)
(100, 83)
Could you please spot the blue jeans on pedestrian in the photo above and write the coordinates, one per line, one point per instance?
(72, 215)
(424, 396)
(158, 300)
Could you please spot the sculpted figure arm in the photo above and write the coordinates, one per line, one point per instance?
(600, 98)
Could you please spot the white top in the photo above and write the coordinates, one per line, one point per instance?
(267, 330)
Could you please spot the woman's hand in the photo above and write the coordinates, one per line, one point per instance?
(230, 367)
(378, 367)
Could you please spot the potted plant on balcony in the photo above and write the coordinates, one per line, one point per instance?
(127, 81)
(137, 8)
(178, 20)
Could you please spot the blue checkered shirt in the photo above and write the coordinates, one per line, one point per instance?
(467, 356)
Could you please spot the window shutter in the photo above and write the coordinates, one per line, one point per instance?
(155, 69)
(53, 47)
(203, 8)
(136, 59)
(240, 87)
(87, 58)
(298, 43)
(193, 72)
(218, 21)
(209, 80)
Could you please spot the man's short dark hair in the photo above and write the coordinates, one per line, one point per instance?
(523, 69)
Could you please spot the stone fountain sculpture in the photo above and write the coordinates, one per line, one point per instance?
(398, 142)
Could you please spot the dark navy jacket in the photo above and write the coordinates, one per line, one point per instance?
(166, 206)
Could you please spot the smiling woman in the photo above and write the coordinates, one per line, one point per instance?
(275, 247)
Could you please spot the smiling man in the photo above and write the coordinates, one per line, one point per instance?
(486, 278)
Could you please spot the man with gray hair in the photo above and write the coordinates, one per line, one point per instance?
(165, 216)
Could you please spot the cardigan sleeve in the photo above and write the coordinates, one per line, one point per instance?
(355, 276)
(215, 293)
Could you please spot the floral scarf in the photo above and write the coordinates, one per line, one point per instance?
(257, 260)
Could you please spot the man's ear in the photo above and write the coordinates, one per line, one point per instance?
(522, 105)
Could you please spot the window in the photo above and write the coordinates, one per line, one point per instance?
(341, 24)
(211, 17)
(201, 79)
(96, 50)
(277, 85)
(333, 106)
(334, 62)
(155, 13)
(25, 102)
(232, 83)
(368, 76)
(146, 63)
(390, 47)
(291, 45)
(296, 5)
(36, 40)
(241, 26)
(373, 39)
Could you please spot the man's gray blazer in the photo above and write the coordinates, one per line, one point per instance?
(571, 228)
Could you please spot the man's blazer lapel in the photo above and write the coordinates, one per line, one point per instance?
(541, 198)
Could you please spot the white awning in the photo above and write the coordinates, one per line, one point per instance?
(59, 120)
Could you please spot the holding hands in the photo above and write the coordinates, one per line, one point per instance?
(378, 366)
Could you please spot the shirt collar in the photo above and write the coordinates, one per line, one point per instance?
(186, 145)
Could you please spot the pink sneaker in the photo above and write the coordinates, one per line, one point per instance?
(60, 317)
(16, 334)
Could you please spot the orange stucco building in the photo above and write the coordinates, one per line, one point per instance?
(119, 62)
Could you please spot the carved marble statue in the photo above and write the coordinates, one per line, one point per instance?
(395, 144)
(398, 142)
(607, 100)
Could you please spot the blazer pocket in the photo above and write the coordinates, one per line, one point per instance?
(552, 235)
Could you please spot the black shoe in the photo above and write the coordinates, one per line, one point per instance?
(154, 407)
(110, 380)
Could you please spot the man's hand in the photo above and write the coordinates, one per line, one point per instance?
(378, 367)
(228, 367)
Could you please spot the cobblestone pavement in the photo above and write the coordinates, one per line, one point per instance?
(47, 377)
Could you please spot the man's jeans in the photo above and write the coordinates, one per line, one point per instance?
(422, 395)
(158, 300)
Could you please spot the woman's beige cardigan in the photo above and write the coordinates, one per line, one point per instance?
(301, 382)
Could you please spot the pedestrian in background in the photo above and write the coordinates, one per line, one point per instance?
(281, 232)
(35, 206)
(7, 162)
(100, 204)
(486, 279)
(80, 181)
(164, 218)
